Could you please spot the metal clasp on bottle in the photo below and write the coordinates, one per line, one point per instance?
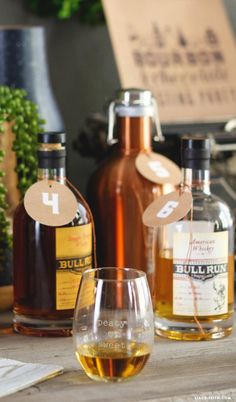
(112, 117)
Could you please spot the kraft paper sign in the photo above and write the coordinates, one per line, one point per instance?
(182, 50)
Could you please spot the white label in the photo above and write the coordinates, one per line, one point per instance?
(200, 274)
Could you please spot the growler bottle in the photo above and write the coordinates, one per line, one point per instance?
(118, 193)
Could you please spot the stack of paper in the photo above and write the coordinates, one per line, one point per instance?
(15, 375)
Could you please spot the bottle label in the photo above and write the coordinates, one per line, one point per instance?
(200, 274)
(73, 256)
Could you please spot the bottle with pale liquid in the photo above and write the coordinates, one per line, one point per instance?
(194, 258)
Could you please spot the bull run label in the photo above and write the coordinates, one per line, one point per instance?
(200, 274)
(73, 256)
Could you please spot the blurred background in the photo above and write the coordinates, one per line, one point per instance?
(82, 69)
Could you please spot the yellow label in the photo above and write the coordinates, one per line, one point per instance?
(67, 289)
(74, 241)
(73, 256)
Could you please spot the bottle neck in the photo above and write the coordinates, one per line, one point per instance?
(197, 180)
(57, 174)
(134, 134)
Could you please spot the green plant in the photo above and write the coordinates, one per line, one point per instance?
(88, 10)
(23, 115)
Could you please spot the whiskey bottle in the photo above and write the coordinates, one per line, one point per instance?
(48, 261)
(194, 259)
(118, 193)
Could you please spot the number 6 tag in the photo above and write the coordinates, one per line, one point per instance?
(50, 203)
(168, 208)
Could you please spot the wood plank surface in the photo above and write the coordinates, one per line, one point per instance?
(176, 372)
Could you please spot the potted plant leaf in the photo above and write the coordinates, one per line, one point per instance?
(19, 124)
(89, 11)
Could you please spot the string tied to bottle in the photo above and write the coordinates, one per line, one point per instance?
(91, 218)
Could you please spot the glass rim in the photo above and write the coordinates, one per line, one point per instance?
(140, 274)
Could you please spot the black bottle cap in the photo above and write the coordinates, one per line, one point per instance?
(53, 137)
(51, 159)
(195, 152)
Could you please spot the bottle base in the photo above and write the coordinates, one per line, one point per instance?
(44, 328)
(189, 331)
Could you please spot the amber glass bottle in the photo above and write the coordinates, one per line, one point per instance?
(118, 194)
(47, 268)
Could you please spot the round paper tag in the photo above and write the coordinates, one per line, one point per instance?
(168, 208)
(50, 203)
(157, 168)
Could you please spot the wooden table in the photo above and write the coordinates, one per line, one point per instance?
(176, 372)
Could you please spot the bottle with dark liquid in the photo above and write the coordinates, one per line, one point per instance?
(49, 261)
(194, 284)
(119, 194)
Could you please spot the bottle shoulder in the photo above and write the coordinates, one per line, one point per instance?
(119, 170)
(209, 214)
(211, 207)
(82, 217)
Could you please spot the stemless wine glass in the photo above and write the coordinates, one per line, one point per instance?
(113, 323)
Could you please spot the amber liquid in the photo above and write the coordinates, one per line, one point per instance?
(35, 277)
(113, 360)
(163, 297)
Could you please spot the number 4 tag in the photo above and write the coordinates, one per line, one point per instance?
(168, 208)
(50, 203)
